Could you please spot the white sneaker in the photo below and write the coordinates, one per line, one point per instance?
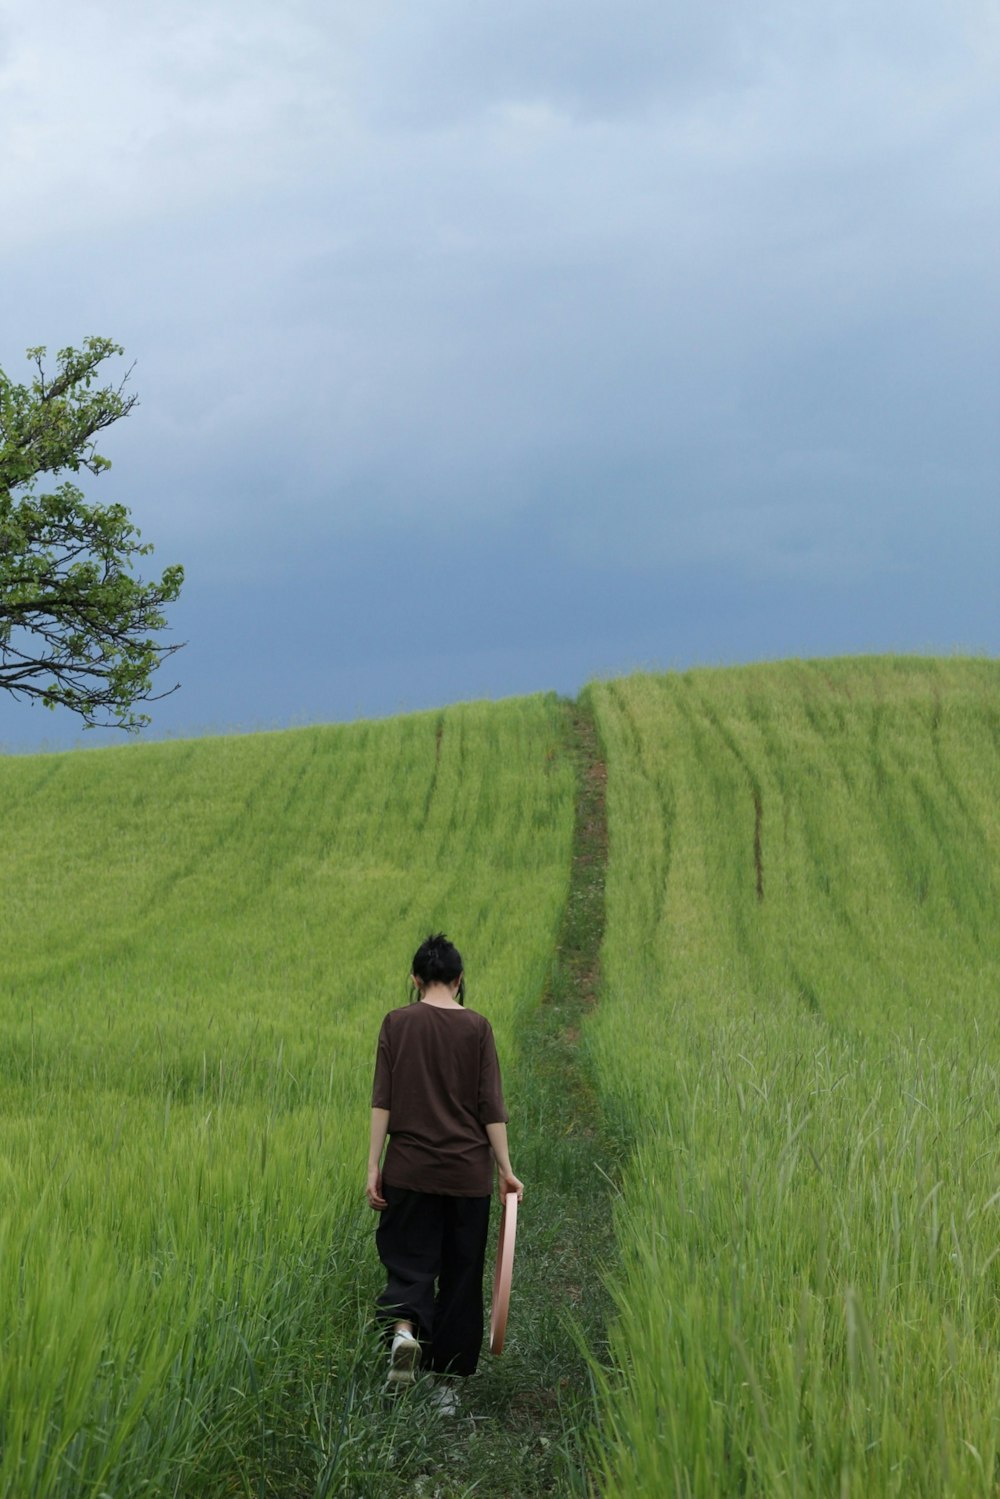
(444, 1398)
(403, 1360)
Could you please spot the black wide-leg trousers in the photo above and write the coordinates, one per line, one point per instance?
(434, 1249)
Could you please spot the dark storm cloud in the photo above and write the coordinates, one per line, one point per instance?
(689, 313)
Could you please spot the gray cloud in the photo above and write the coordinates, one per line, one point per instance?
(642, 288)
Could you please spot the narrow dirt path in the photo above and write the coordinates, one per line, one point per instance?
(521, 1429)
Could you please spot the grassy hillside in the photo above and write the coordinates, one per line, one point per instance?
(800, 1030)
(198, 943)
(795, 1059)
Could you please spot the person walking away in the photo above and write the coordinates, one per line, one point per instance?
(437, 1095)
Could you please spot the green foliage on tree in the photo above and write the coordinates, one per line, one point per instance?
(77, 627)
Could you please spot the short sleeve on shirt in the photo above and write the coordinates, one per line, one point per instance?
(491, 1104)
(382, 1084)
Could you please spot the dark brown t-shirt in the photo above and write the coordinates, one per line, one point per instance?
(437, 1073)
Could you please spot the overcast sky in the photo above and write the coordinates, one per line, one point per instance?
(485, 346)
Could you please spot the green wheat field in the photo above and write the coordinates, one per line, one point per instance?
(792, 1069)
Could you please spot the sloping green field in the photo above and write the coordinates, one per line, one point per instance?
(199, 942)
(796, 1054)
(800, 1032)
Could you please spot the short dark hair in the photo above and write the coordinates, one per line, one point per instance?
(438, 961)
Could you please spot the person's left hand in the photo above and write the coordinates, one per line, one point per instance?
(508, 1182)
(373, 1191)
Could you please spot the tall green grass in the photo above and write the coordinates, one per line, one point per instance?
(797, 1040)
(800, 1032)
(198, 943)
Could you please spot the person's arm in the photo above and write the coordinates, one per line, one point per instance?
(379, 1130)
(506, 1180)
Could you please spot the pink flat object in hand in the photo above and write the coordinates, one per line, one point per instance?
(503, 1273)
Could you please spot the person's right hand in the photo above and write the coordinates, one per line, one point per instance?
(508, 1182)
(373, 1190)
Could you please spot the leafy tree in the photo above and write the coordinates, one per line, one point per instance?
(77, 627)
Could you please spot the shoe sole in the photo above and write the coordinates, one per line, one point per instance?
(402, 1370)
